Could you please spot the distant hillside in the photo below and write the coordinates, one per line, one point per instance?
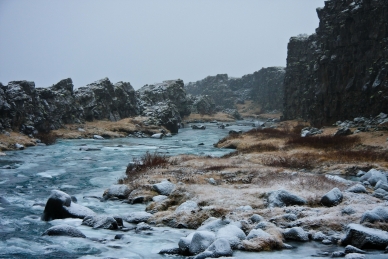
(264, 87)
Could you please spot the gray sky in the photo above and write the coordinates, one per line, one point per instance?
(145, 42)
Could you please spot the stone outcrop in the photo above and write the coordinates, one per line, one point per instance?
(341, 72)
(264, 87)
(31, 110)
(165, 103)
(103, 100)
(26, 108)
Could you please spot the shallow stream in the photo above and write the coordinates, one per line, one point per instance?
(35, 171)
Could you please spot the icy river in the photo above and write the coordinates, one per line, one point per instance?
(32, 173)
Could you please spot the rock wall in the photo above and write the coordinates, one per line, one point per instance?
(28, 109)
(165, 103)
(341, 72)
(264, 87)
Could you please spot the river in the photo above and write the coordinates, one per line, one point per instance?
(32, 173)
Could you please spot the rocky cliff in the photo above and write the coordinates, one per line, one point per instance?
(165, 103)
(340, 72)
(264, 87)
(30, 110)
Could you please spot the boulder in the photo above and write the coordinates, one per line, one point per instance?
(332, 198)
(98, 137)
(354, 256)
(187, 206)
(164, 188)
(120, 191)
(373, 176)
(199, 127)
(63, 230)
(296, 233)
(19, 146)
(358, 188)
(343, 132)
(258, 233)
(157, 135)
(104, 222)
(201, 241)
(218, 248)
(364, 237)
(283, 198)
(232, 233)
(351, 249)
(142, 227)
(255, 218)
(375, 215)
(310, 131)
(159, 198)
(381, 185)
(137, 217)
(184, 243)
(60, 206)
(214, 224)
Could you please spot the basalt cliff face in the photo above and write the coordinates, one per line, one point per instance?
(164, 103)
(341, 72)
(264, 87)
(30, 110)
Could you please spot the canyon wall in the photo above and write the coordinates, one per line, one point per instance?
(31, 110)
(264, 87)
(341, 71)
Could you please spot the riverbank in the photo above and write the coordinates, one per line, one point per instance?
(136, 126)
(241, 185)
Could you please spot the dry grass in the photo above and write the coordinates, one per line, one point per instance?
(324, 142)
(47, 138)
(146, 162)
(219, 116)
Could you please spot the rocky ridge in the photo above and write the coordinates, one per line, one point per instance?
(340, 72)
(31, 110)
(264, 87)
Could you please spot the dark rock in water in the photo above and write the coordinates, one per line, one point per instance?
(235, 131)
(283, 198)
(201, 127)
(60, 206)
(104, 222)
(338, 254)
(63, 230)
(351, 249)
(332, 198)
(318, 85)
(201, 240)
(218, 248)
(137, 217)
(120, 191)
(170, 251)
(363, 237)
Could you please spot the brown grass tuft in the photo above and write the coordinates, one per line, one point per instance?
(47, 138)
(300, 161)
(324, 142)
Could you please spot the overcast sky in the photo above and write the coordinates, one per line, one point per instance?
(144, 42)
